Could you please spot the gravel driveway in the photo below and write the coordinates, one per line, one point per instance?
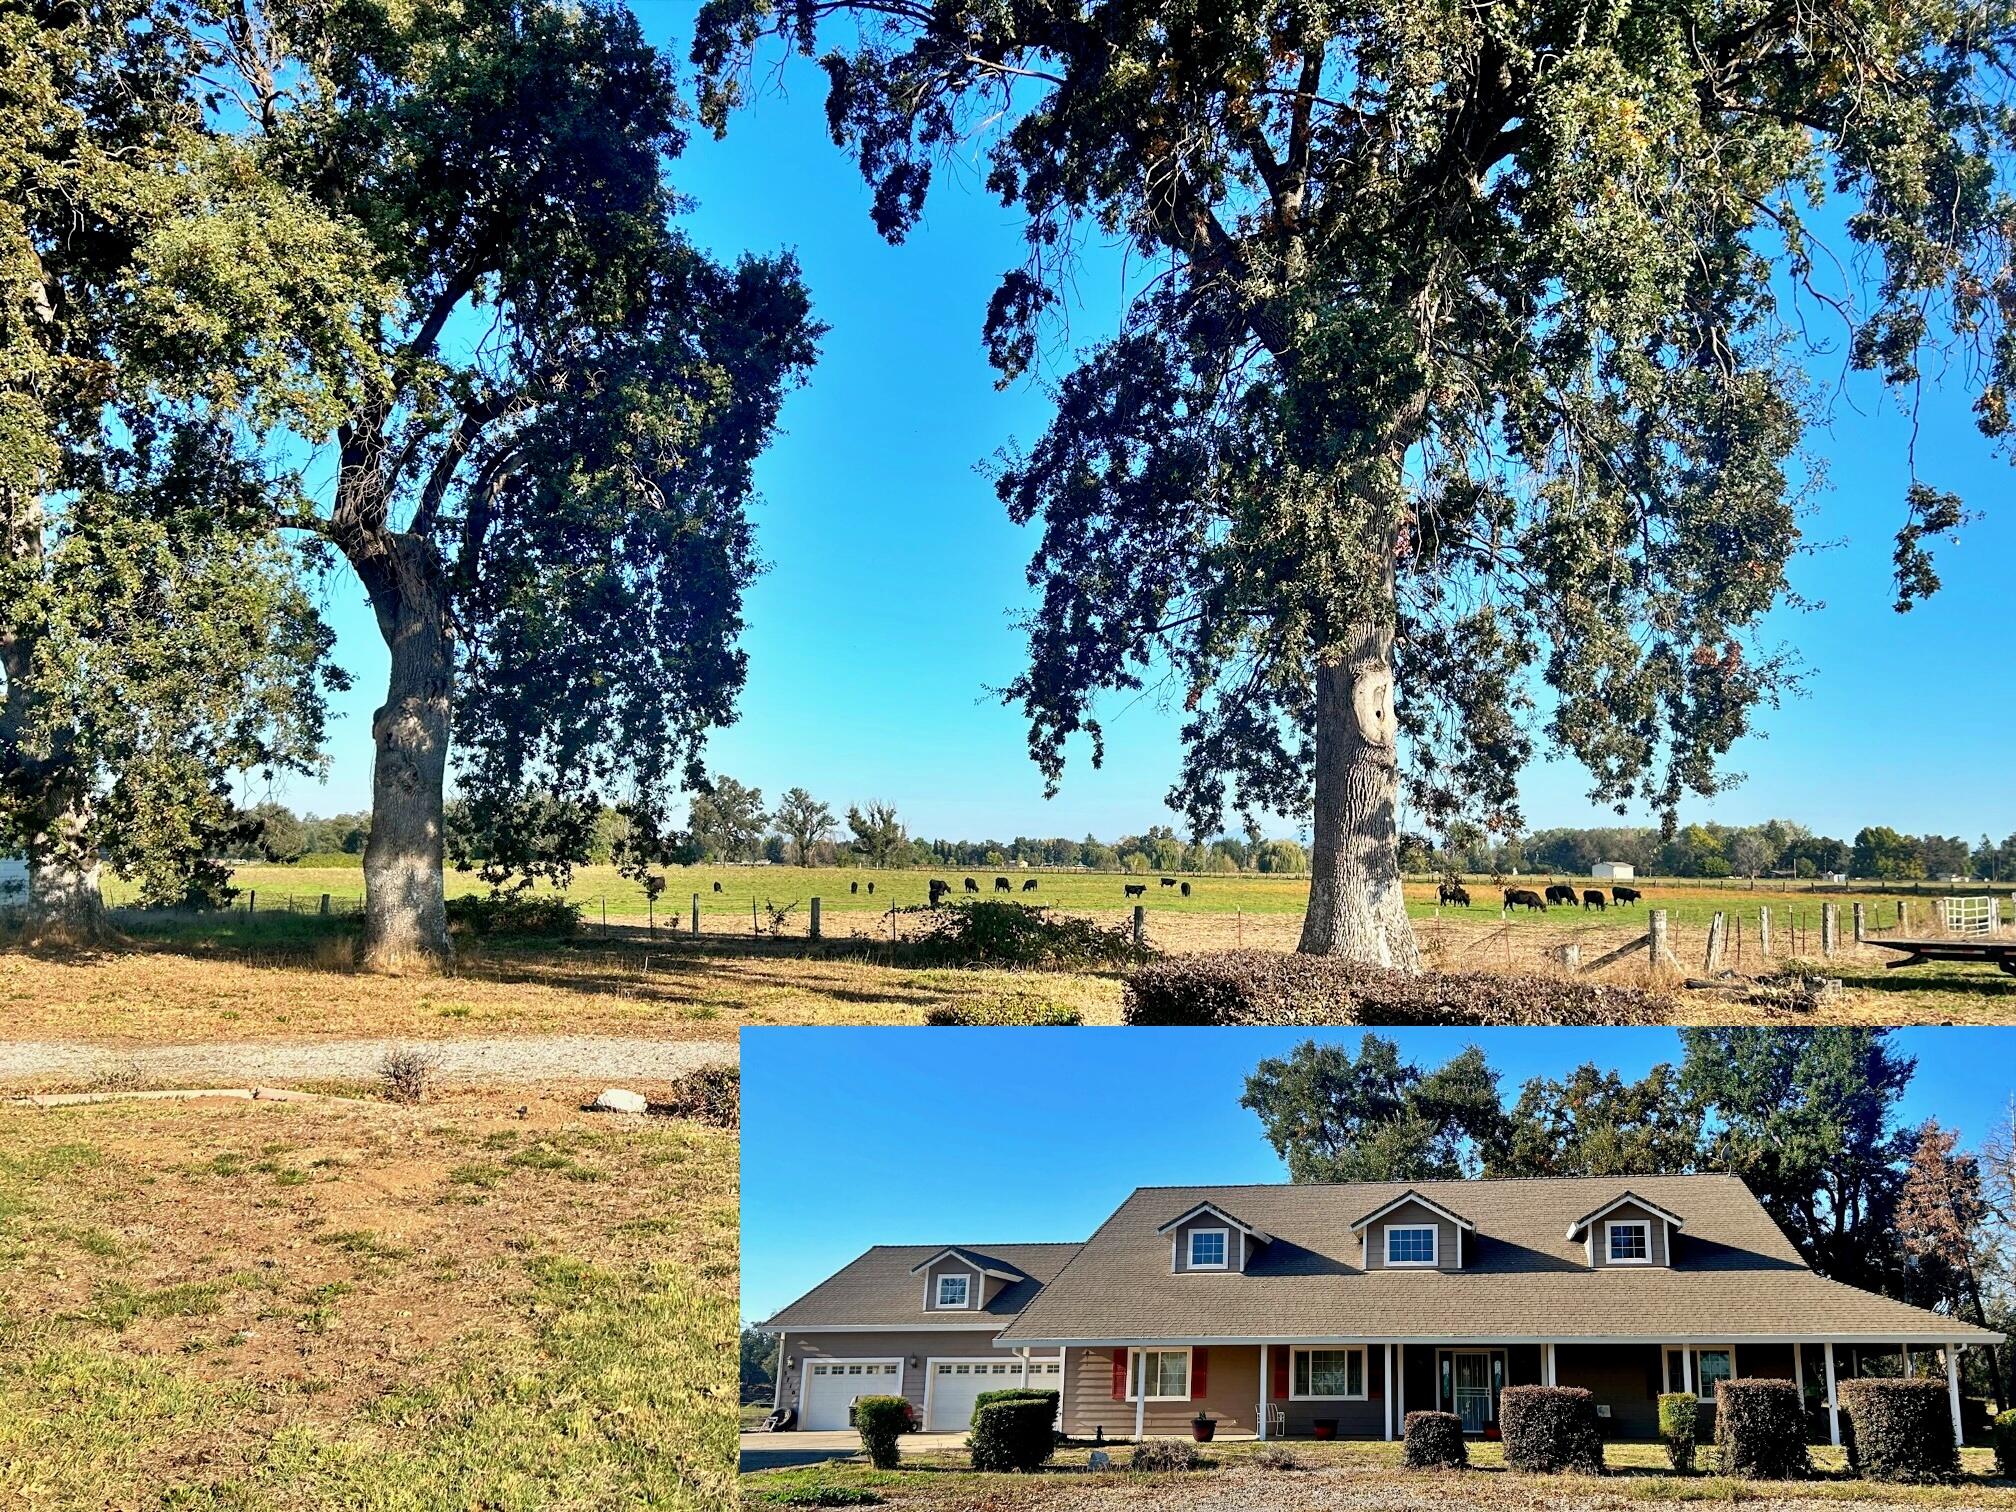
(531, 1058)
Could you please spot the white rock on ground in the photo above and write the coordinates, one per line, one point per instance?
(620, 1100)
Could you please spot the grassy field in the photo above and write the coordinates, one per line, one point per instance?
(490, 1301)
(1349, 1476)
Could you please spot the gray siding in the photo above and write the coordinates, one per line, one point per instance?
(976, 1293)
(1626, 1213)
(1235, 1251)
(1623, 1377)
(1407, 1215)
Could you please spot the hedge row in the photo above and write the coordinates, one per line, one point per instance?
(1263, 987)
(1013, 1432)
(1548, 1429)
(1760, 1428)
(1003, 1016)
(1433, 1441)
(1899, 1430)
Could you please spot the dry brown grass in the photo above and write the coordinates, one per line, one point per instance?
(297, 1305)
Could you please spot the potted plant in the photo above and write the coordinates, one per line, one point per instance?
(1324, 1428)
(1201, 1428)
(1491, 1432)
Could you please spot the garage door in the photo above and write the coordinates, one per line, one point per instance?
(832, 1385)
(955, 1383)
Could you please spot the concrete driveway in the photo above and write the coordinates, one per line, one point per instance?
(780, 1451)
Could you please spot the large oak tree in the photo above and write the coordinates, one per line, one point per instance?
(542, 481)
(1458, 404)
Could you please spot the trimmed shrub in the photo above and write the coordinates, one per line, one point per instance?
(1165, 1454)
(1003, 1015)
(1760, 1429)
(1278, 1457)
(1433, 1441)
(2003, 1436)
(514, 914)
(1899, 1430)
(882, 1420)
(1262, 987)
(1011, 1394)
(1015, 1434)
(993, 933)
(1548, 1429)
(1679, 1417)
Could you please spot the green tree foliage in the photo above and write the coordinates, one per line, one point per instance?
(1376, 1118)
(1881, 852)
(1594, 1123)
(725, 820)
(805, 821)
(153, 292)
(543, 447)
(1448, 383)
(878, 835)
(1807, 1117)
(759, 1352)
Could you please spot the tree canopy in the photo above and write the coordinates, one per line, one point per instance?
(1459, 401)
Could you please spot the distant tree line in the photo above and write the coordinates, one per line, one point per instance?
(1808, 1118)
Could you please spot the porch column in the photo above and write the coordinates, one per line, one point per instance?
(1063, 1379)
(1799, 1380)
(1833, 1407)
(1025, 1368)
(1550, 1374)
(1400, 1388)
(777, 1386)
(1953, 1388)
(1389, 1396)
(1266, 1386)
(1140, 1394)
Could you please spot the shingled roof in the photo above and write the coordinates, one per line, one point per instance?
(1735, 1277)
(879, 1289)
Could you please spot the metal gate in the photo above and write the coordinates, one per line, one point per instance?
(1971, 915)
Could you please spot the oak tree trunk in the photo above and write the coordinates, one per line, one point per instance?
(405, 915)
(65, 906)
(1356, 906)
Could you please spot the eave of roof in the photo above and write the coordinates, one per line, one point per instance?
(1576, 1229)
(1410, 1195)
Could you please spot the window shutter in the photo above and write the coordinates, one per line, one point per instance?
(1281, 1371)
(1200, 1361)
(1119, 1375)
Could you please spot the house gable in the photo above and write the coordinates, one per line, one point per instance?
(1413, 1232)
(1628, 1231)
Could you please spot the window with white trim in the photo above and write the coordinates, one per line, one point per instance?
(1628, 1241)
(1411, 1243)
(954, 1290)
(1707, 1363)
(1166, 1371)
(1333, 1374)
(1208, 1249)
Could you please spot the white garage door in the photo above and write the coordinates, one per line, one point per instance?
(955, 1383)
(832, 1385)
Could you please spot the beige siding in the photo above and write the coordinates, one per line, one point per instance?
(1627, 1213)
(1231, 1395)
(1409, 1215)
(919, 1344)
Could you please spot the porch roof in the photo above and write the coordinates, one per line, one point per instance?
(1735, 1276)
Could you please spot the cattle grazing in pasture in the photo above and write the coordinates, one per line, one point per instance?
(1562, 893)
(971, 885)
(871, 889)
(853, 887)
(1168, 881)
(1452, 893)
(1002, 884)
(717, 887)
(1030, 885)
(938, 890)
(1519, 897)
(1625, 895)
(1593, 898)
(1186, 889)
(1135, 889)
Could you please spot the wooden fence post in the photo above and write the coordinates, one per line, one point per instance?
(325, 904)
(252, 901)
(1900, 913)
(1830, 927)
(1140, 923)
(1717, 928)
(1655, 935)
(1861, 923)
(815, 918)
(1764, 933)
(696, 913)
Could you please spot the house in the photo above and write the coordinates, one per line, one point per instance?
(1278, 1310)
(1613, 871)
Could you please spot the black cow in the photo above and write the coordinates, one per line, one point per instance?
(1168, 881)
(853, 887)
(1452, 892)
(1519, 897)
(971, 885)
(717, 887)
(1030, 885)
(1186, 889)
(938, 890)
(1625, 895)
(871, 889)
(1002, 884)
(1135, 889)
(1562, 893)
(1593, 898)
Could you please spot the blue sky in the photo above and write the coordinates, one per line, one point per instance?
(893, 570)
(839, 1149)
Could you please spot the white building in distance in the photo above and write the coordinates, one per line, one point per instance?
(1613, 871)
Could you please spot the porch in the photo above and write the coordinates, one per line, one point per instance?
(1364, 1388)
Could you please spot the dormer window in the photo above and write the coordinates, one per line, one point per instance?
(1207, 1249)
(1411, 1244)
(953, 1290)
(1630, 1241)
